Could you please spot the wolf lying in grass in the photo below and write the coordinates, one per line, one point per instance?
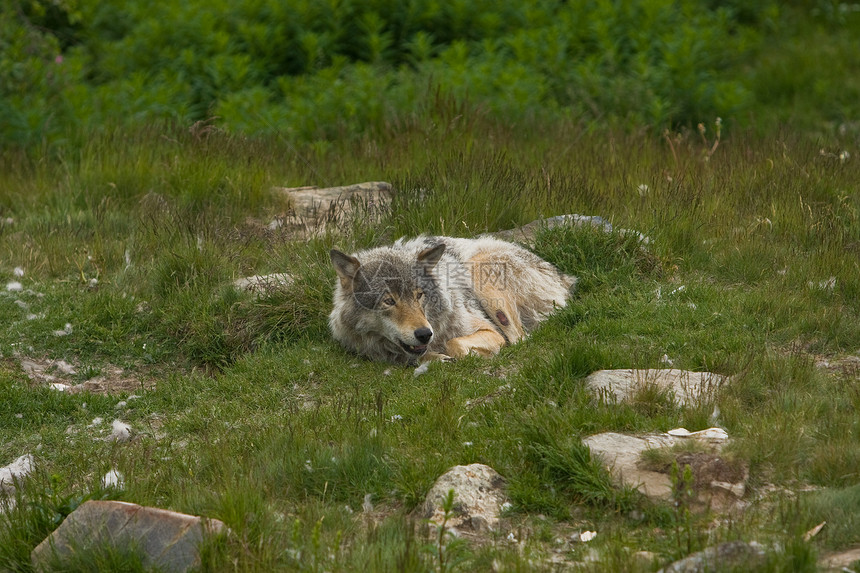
(441, 297)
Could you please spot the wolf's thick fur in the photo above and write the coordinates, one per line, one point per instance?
(439, 297)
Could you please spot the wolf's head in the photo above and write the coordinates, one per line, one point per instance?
(384, 294)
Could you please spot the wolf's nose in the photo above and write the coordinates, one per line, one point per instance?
(423, 335)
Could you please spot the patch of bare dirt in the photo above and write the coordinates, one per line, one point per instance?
(64, 376)
(843, 367)
(717, 483)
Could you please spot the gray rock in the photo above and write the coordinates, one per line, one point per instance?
(166, 539)
(840, 561)
(479, 492)
(687, 387)
(261, 285)
(19, 469)
(315, 209)
(725, 556)
(526, 233)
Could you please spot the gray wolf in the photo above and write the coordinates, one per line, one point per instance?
(441, 297)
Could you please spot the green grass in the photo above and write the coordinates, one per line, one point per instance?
(259, 419)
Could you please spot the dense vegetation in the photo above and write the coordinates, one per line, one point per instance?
(322, 69)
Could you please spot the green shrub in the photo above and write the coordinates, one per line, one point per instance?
(320, 70)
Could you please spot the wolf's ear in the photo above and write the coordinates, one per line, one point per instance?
(345, 266)
(431, 256)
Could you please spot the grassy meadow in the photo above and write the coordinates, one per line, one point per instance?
(248, 412)
(141, 148)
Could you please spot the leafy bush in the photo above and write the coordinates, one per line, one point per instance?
(34, 74)
(322, 69)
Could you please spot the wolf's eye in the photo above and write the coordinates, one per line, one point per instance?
(388, 301)
(419, 295)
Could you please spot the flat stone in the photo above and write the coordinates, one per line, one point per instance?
(315, 209)
(718, 484)
(264, 284)
(165, 539)
(620, 453)
(312, 200)
(839, 561)
(479, 492)
(727, 556)
(687, 388)
(526, 233)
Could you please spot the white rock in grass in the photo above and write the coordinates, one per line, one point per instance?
(686, 387)
(18, 272)
(14, 286)
(620, 454)
(479, 494)
(59, 386)
(717, 435)
(120, 432)
(18, 469)
(113, 479)
(261, 285)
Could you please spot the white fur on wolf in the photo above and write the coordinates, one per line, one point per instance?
(438, 297)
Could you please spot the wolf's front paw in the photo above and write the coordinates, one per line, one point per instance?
(431, 356)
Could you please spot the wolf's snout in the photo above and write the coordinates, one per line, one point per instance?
(423, 335)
